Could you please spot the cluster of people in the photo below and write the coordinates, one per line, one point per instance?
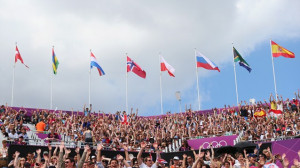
(276, 119)
(11, 124)
(60, 158)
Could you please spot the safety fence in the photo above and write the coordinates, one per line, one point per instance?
(24, 149)
(174, 147)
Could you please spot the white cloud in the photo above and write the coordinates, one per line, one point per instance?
(140, 28)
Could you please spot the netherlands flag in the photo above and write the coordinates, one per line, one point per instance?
(204, 62)
(94, 63)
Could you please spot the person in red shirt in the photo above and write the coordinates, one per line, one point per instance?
(52, 136)
(20, 141)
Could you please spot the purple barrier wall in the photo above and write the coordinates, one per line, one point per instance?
(289, 147)
(216, 142)
(31, 110)
(44, 136)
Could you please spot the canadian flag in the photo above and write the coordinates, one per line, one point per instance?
(18, 57)
(164, 66)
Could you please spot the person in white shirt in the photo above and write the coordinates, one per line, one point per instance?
(13, 135)
(4, 154)
(239, 162)
(148, 163)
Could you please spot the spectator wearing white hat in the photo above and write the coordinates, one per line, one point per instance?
(175, 162)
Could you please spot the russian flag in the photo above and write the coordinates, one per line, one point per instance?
(204, 62)
(94, 63)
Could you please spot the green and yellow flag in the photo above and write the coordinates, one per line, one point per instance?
(54, 62)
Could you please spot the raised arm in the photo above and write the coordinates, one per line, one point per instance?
(198, 159)
(46, 164)
(55, 151)
(99, 148)
(271, 155)
(67, 152)
(184, 160)
(285, 161)
(17, 153)
(246, 158)
(212, 152)
(38, 153)
(158, 157)
(125, 147)
(139, 156)
(50, 150)
(270, 99)
(120, 158)
(82, 159)
(200, 148)
(61, 155)
(224, 158)
(77, 150)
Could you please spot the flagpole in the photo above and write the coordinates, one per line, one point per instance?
(90, 81)
(51, 92)
(13, 83)
(197, 81)
(236, 87)
(126, 87)
(273, 71)
(51, 83)
(161, 102)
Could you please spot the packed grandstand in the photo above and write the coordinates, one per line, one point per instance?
(248, 135)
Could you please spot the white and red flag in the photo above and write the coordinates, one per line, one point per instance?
(164, 66)
(18, 57)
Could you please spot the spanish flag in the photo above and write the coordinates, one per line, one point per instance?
(277, 51)
(260, 113)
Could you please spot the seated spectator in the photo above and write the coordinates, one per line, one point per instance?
(40, 126)
(185, 146)
(13, 135)
(24, 134)
(20, 141)
(5, 134)
(52, 136)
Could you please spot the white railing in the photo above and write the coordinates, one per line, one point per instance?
(238, 138)
(274, 139)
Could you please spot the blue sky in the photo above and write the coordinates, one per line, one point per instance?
(144, 29)
(259, 83)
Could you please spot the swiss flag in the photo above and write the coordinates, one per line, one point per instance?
(164, 66)
(18, 57)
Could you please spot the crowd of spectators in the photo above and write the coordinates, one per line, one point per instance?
(114, 131)
(60, 158)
